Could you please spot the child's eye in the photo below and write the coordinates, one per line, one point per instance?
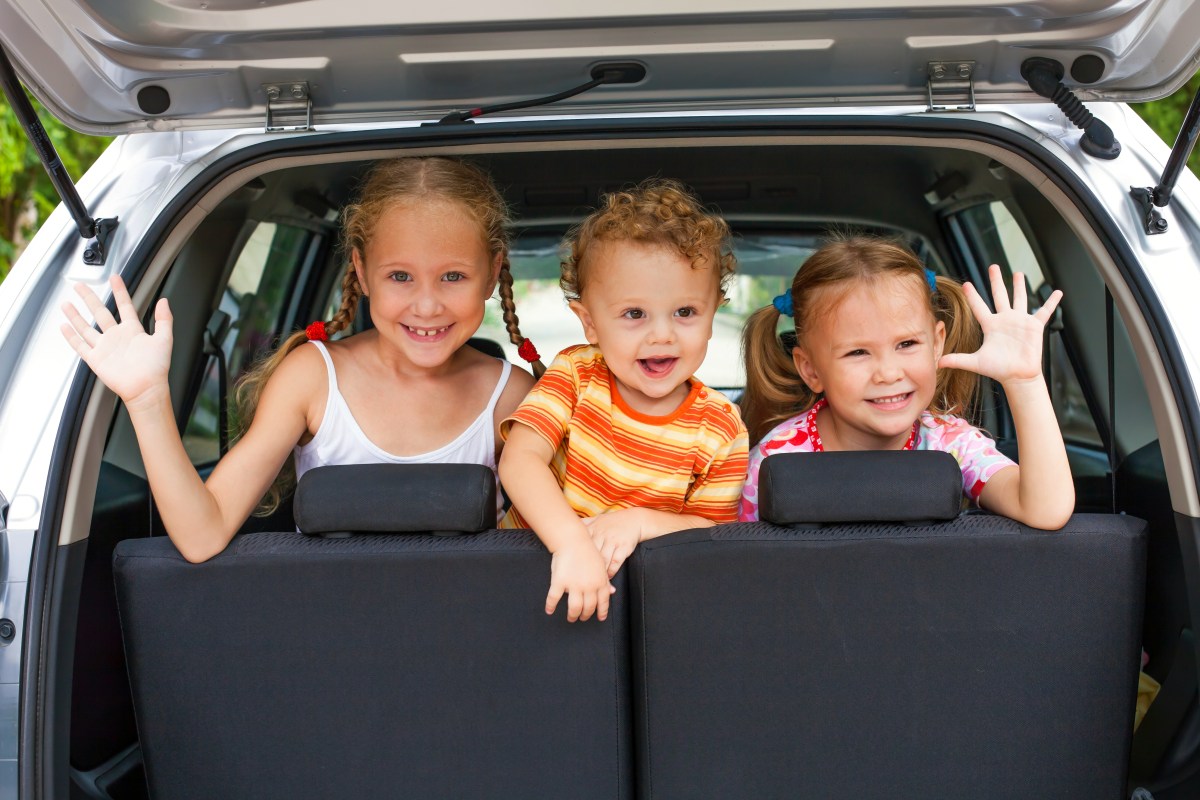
(634, 313)
(400, 277)
(685, 312)
(908, 343)
(857, 352)
(454, 277)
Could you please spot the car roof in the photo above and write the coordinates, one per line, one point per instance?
(109, 66)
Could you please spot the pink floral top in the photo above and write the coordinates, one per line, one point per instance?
(975, 452)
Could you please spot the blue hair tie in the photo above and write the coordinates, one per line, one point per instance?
(931, 278)
(783, 303)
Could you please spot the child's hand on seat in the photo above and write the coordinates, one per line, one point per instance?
(616, 534)
(577, 571)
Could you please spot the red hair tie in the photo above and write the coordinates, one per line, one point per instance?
(527, 351)
(316, 332)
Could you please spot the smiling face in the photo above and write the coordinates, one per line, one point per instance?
(427, 273)
(651, 314)
(873, 353)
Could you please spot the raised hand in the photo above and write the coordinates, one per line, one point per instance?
(1012, 337)
(128, 360)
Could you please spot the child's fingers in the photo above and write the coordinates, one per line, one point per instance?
(602, 605)
(574, 604)
(590, 601)
(73, 339)
(975, 302)
(121, 295)
(1044, 313)
(999, 290)
(164, 320)
(100, 312)
(1020, 297)
(965, 361)
(556, 593)
(86, 333)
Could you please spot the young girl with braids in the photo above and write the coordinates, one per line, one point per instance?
(619, 442)
(427, 245)
(886, 355)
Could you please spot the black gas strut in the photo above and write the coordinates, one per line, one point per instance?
(623, 72)
(96, 231)
(1160, 195)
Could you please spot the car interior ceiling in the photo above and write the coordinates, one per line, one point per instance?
(840, 187)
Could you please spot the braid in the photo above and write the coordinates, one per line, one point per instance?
(351, 292)
(509, 307)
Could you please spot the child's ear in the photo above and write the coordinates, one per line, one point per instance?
(359, 268)
(494, 278)
(807, 370)
(939, 341)
(589, 328)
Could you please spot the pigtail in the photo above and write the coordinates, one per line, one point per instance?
(956, 389)
(774, 390)
(509, 308)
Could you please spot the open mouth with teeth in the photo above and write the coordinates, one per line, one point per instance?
(657, 367)
(891, 401)
(427, 334)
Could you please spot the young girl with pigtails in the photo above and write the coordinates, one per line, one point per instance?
(427, 244)
(886, 357)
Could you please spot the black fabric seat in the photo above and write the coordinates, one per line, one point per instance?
(970, 658)
(295, 666)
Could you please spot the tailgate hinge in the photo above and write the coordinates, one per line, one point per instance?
(951, 82)
(289, 101)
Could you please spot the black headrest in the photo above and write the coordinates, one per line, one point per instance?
(396, 498)
(861, 486)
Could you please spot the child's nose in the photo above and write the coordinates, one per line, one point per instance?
(887, 370)
(662, 331)
(428, 301)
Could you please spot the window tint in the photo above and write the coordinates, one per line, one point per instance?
(259, 301)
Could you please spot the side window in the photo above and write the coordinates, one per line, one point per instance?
(260, 300)
(989, 234)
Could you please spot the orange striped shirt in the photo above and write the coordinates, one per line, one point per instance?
(608, 456)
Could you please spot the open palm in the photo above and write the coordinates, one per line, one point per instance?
(1012, 337)
(128, 360)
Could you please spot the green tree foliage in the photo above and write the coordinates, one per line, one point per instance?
(26, 195)
(1166, 116)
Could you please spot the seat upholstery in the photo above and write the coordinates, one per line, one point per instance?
(371, 667)
(974, 658)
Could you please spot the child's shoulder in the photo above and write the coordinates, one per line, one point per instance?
(789, 436)
(719, 411)
(939, 430)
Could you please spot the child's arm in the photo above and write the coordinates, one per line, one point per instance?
(1039, 492)
(615, 534)
(712, 499)
(575, 568)
(200, 519)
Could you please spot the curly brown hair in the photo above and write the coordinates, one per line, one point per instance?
(656, 211)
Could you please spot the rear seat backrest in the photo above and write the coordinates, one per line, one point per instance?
(371, 666)
(970, 658)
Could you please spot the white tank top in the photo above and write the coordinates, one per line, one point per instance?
(340, 440)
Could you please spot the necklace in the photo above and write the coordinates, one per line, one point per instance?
(814, 436)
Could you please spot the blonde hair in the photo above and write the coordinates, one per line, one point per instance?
(775, 391)
(387, 184)
(656, 211)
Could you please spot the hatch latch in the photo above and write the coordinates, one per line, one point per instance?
(289, 107)
(950, 85)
